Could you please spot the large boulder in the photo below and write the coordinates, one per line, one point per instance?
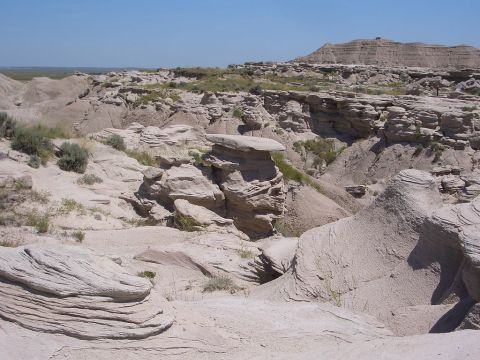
(199, 218)
(185, 182)
(72, 291)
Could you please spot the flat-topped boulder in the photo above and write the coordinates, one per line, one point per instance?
(245, 143)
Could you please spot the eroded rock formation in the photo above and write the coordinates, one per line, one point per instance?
(398, 246)
(74, 292)
(253, 186)
(390, 53)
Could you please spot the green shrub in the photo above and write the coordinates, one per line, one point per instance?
(324, 149)
(292, 173)
(437, 150)
(418, 150)
(147, 274)
(9, 243)
(220, 283)
(89, 179)
(156, 95)
(116, 141)
(28, 141)
(73, 157)
(245, 253)
(39, 221)
(69, 205)
(238, 112)
(142, 157)
(140, 222)
(79, 235)
(186, 223)
(34, 161)
(7, 125)
(40, 196)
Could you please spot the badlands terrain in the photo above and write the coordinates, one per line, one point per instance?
(325, 207)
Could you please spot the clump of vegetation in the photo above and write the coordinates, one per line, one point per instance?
(7, 125)
(39, 221)
(155, 95)
(68, 206)
(89, 179)
(40, 196)
(278, 131)
(323, 149)
(469, 108)
(55, 132)
(235, 80)
(78, 235)
(418, 133)
(147, 274)
(198, 157)
(141, 222)
(220, 283)
(116, 141)
(245, 253)
(418, 150)
(142, 157)
(21, 184)
(238, 112)
(292, 173)
(29, 141)
(186, 223)
(34, 161)
(73, 157)
(437, 149)
(9, 243)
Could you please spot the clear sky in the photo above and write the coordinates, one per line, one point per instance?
(148, 33)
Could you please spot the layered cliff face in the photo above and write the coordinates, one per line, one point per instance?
(391, 53)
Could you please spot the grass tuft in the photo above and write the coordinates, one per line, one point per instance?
(186, 223)
(116, 141)
(89, 179)
(147, 274)
(292, 173)
(78, 235)
(220, 283)
(39, 221)
(142, 157)
(10, 243)
(68, 206)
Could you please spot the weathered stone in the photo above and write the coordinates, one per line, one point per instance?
(245, 143)
(356, 190)
(200, 218)
(252, 185)
(72, 291)
(189, 183)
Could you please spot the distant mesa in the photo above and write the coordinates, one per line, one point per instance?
(388, 53)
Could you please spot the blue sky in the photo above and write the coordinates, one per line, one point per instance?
(148, 33)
